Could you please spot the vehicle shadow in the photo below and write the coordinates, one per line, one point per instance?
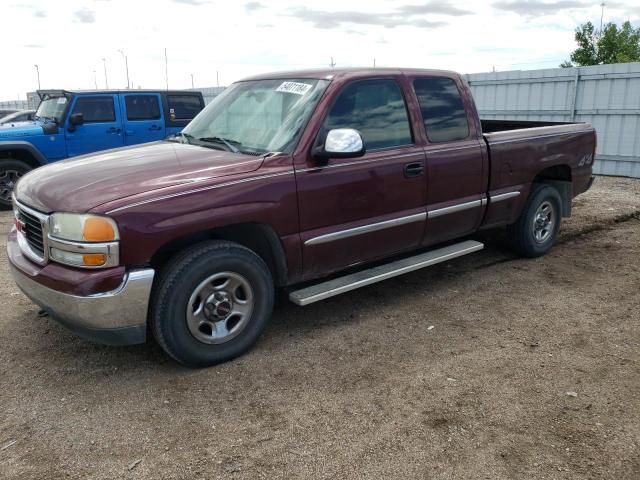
(66, 349)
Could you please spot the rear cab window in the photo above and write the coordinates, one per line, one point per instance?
(376, 108)
(443, 113)
(183, 107)
(96, 109)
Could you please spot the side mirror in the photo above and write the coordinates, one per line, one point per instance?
(76, 119)
(341, 143)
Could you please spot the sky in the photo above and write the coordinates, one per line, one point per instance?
(224, 41)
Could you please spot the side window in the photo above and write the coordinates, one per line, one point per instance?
(142, 107)
(96, 109)
(183, 107)
(443, 113)
(376, 109)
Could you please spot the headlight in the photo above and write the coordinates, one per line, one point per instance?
(83, 240)
(82, 227)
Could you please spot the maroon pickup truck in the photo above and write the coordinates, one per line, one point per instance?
(309, 182)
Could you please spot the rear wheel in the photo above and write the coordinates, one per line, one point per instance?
(10, 171)
(536, 231)
(211, 303)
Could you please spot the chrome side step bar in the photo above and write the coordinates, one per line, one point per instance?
(334, 287)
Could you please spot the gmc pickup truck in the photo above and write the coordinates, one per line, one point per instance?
(310, 182)
(72, 123)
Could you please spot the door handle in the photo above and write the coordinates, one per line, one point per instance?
(155, 127)
(414, 169)
(113, 130)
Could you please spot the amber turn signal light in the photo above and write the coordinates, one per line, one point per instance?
(94, 259)
(98, 229)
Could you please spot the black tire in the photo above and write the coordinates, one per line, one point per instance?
(530, 238)
(183, 276)
(10, 171)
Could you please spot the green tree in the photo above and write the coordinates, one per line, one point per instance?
(611, 45)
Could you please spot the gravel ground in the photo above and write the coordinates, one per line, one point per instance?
(531, 370)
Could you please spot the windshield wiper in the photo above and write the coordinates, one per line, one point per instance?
(183, 135)
(230, 144)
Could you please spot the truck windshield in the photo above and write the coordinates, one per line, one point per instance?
(258, 116)
(52, 108)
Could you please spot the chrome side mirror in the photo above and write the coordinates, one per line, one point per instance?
(341, 143)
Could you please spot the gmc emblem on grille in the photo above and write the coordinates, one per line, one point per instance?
(20, 225)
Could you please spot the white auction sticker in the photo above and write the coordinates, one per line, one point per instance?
(294, 87)
(62, 100)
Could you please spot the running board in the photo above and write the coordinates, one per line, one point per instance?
(334, 287)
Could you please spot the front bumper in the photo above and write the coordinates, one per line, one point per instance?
(118, 317)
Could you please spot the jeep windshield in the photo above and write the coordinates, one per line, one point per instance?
(257, 116)
(52, 108)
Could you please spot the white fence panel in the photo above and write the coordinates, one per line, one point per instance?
(607, 96)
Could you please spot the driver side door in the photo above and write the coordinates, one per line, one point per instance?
(355, 210)
(101, 128)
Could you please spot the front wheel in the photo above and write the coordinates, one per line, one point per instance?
(536, 230)
(10, 171)
(211, 303)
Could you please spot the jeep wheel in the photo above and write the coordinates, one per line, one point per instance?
(211, 303)
(535, 232)
(10, 171)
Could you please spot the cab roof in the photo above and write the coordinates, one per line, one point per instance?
(350, 73)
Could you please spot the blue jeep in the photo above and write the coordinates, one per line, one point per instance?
(68, 124)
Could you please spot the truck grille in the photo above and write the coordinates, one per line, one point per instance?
(32, 231)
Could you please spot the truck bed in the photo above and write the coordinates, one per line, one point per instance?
(535, 150)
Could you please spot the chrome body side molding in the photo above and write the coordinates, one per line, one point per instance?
(469, 205)
(503, 196)
(455, 208)
(373, 227)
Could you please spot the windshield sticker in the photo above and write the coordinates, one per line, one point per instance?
(62, 100)
(294, 87)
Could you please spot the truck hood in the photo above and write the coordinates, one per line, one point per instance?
(18, 130)
(83, 183)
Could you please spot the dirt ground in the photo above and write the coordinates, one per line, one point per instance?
(531, 370)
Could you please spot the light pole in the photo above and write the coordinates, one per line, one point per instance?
(192, 80)
(106, 82)
(166, 67)
(38, 72)
(126, 66)
(95, 79)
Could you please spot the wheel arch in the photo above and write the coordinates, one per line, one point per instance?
(259, 238)
(23, 151)
(559, 177)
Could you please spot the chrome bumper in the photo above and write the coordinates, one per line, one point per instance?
(118, 317)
